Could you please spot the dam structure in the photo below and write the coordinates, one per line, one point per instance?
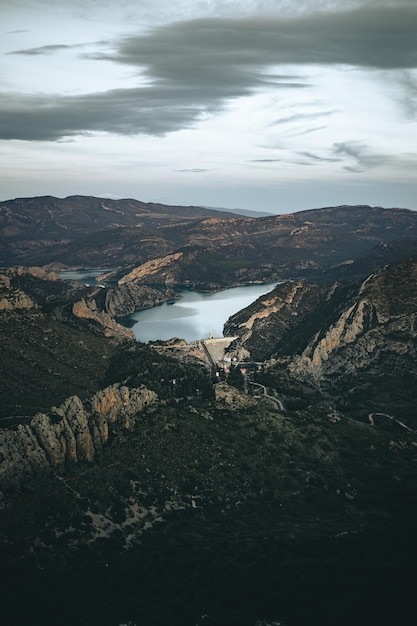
(215, 348)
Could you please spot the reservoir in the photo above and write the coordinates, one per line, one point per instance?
(196, 315)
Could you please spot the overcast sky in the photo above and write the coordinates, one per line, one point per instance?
(270, 105)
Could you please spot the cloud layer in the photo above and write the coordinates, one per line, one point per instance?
(197, 66)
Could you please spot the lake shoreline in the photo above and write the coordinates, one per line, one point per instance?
(195, 315)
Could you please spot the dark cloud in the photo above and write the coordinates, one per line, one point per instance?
(382, 38)
(197, 66)
(122, 111)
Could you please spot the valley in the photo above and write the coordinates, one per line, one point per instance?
(148, 484)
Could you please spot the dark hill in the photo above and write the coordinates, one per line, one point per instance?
(320, 244)
(211, 250)
(42, 230)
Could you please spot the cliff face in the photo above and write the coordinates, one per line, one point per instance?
(40, 288)
(13, 297)
(381, 318)
(88, 311)
(71, 433)
(130, 297)
(354, 343)
(161, 267)
(264, 326)
(71, 301)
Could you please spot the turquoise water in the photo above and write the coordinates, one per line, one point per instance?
(196, 315)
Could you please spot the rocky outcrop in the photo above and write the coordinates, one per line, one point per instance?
(232, 398)
(353, 322)
(37, 272)
(12, 299)
(354, 343)
(71, 433)
(333, 329)
(88, 310)
(381, 318)
(130, 297)
(264, 327)
(26, 287)
(161, 267)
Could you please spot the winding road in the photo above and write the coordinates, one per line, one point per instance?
(273, 399)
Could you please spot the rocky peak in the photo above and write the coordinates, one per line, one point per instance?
(70, 433)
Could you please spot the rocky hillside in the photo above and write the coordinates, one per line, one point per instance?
(154, 244)
(358, 344)
(87, 231)
(153, 493)
(218, 512)
(322, 244)
(57, 337)
(139, 488)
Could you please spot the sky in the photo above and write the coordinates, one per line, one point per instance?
(268, 105)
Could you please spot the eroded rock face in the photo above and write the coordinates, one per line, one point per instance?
(73, 432)
(88, 310)
(130, 297)
(262, 327)
(12, 299)
(162, 267)
(340, 338)
(381, 318)
(38, 272)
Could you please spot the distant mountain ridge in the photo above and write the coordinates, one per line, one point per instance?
(202, 247)
(243, 212)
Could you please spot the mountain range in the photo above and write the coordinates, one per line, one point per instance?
(200, 247)
(138, 485)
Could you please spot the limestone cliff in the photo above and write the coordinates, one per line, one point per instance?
(356, 343)
(12, 296)
(88, 310)
(162, 267)
(35, 287)
(38, 272)
(264, 327)
(381, 317)
(71, 433)
(130, 297)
